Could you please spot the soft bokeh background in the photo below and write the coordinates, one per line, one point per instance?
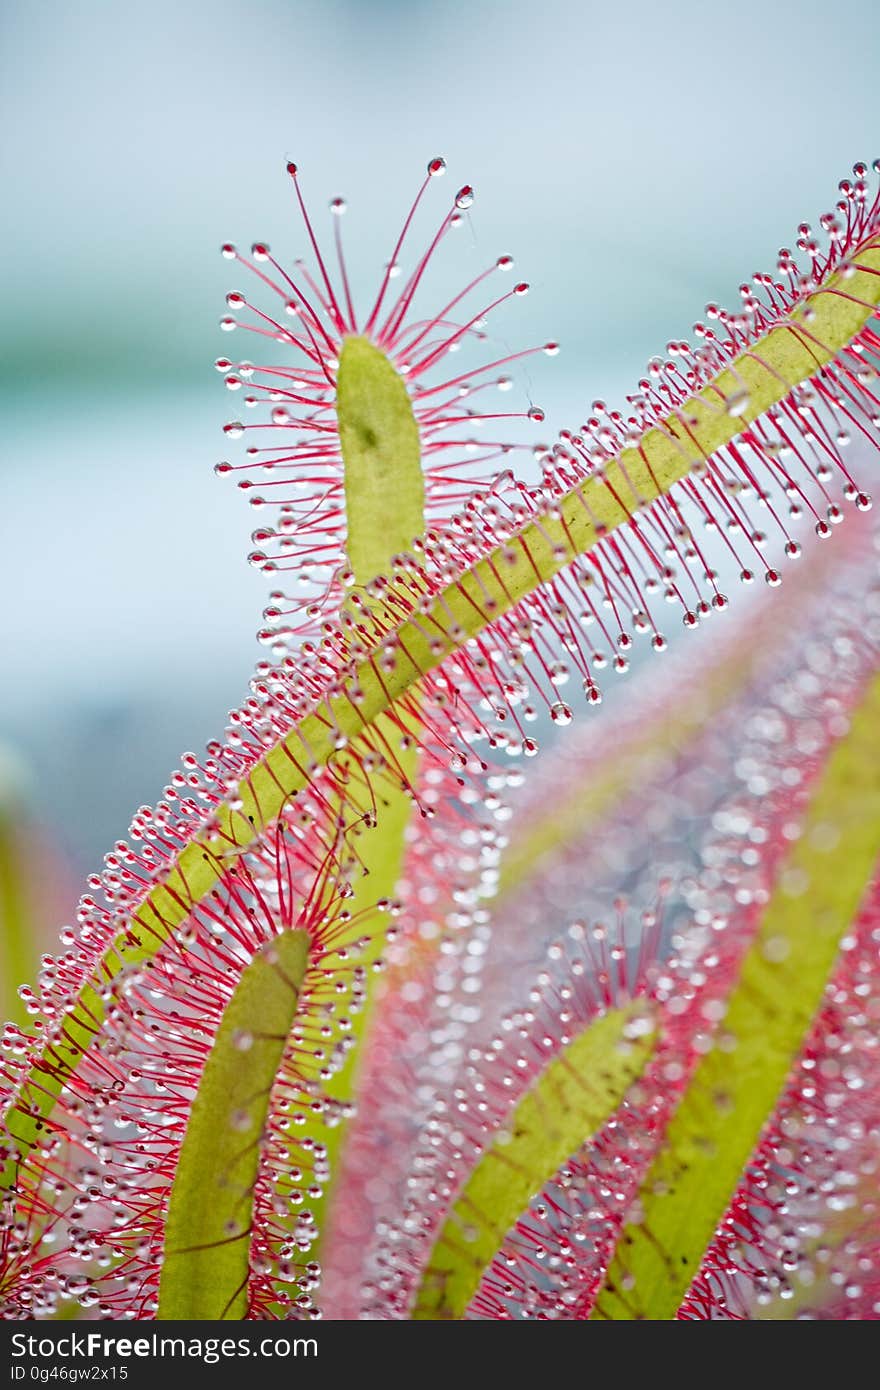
(637, 160)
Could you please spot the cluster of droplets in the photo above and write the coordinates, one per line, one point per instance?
(93, 1199)
(647, 821)
(720, 811)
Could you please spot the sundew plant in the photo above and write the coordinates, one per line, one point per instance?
(384, 1011)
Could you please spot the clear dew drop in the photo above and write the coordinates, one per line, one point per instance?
(437, 167)
(464, 197)
(560, 713)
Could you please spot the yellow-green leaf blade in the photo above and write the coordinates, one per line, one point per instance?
(381, 450)
(571, 1100)
(205, 1264)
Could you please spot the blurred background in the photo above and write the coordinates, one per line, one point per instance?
(637, 160)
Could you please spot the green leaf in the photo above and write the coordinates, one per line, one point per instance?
(734, 1089)
(571, 1100)
(757, 380)
(205, 1264)
(384, 484)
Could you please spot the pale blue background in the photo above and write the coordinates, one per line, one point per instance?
(637, 160)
